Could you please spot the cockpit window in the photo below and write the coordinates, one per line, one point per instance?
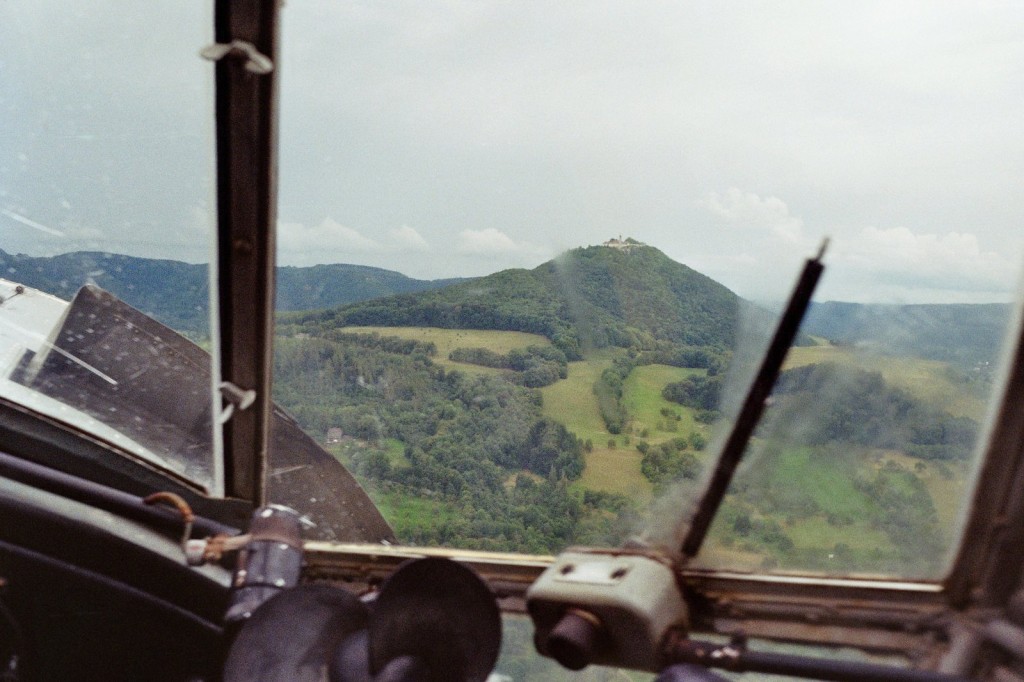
(565, 236)
(528, 258)
(106, 166)
(864, 460)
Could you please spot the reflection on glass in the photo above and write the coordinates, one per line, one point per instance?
(863, 461)
(516, 246)
(106, 171)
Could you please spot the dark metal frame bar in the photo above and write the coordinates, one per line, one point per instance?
(989, 563)
(246, 113)
(739, 659)
(104, 497)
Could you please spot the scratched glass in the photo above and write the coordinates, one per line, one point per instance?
(106, 167)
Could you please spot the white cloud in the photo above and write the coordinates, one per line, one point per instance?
(329, 237)
(760, 241)
(946, 261)
(330, 241)
(750, 210)
(487, 241)
(406, 238)
(201, 221)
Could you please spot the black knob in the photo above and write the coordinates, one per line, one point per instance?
(575, 639)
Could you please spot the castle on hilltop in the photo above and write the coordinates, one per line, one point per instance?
(622, 244)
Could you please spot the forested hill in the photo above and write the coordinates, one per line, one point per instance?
(596, 296)
(176, 293)
(967, 334)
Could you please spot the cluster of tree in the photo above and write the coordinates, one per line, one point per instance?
(608, 391)
(390, 344)
(699, 392)
(714, 360)
(533, 366)
(671, 461)
(859, 407)
(760, 532)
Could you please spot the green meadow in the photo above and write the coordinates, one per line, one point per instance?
(447, 340)
(642, 398)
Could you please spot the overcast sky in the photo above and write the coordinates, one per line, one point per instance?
(448, 139)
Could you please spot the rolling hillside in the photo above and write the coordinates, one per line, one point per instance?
(590, 297)
(966, 334)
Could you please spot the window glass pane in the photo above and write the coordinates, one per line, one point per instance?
(864, 460)
(105, 182)
(530, 255)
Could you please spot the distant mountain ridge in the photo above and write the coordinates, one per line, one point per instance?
(176, 293)
(964, 333)
(622, 294)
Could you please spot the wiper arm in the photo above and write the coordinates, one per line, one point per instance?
(753, 405)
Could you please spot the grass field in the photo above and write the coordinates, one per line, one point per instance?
(643, 401)
(571, 402)
(408, 515)
(828, 482)
(817, 533)
(447, 340)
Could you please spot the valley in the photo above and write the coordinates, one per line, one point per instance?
(797, 509)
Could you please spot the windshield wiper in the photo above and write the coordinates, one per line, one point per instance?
(753, 405)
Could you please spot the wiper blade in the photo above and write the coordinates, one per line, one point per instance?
(753, 405)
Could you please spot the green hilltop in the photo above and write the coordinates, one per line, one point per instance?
(590, 297)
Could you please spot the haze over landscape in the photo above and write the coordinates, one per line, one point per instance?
(456, 139)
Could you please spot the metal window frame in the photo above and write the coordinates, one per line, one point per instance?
(910, 617)
(246, 125)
